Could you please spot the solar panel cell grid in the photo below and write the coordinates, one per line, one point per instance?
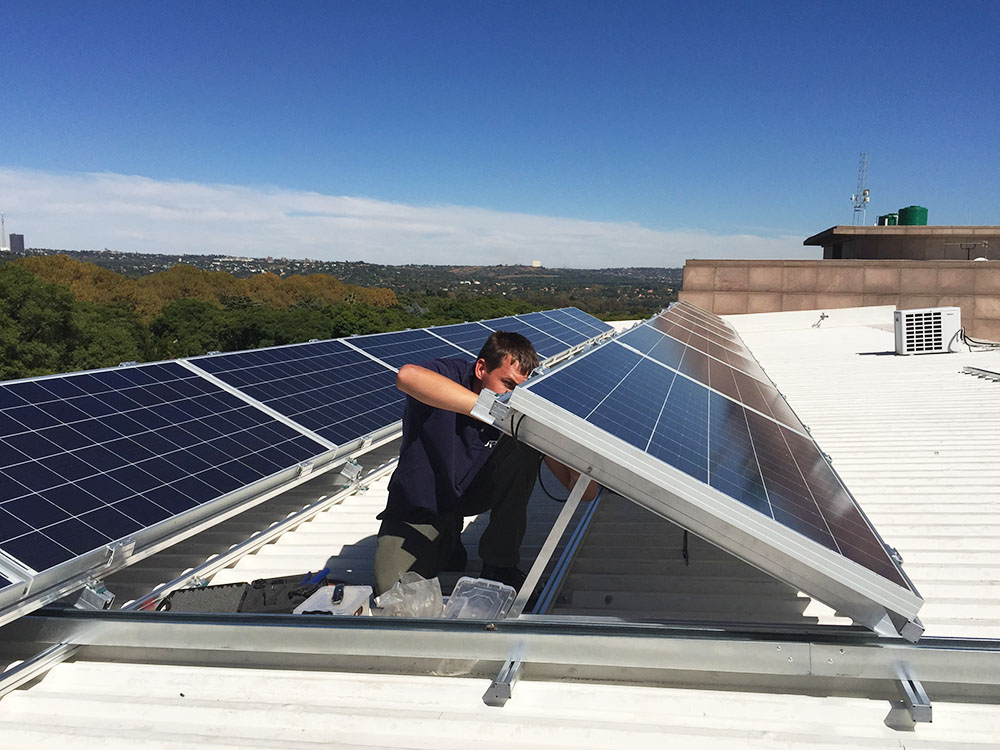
(705, 333)
(545, 323)
(599, 325)
(545, 345)
(718, 334)
(468, 336)
(327, 387)
(607, 367)
(681, 435)
(88, 476)
(406, 347)
(579, 321)
(631, 412)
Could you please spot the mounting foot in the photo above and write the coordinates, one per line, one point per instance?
(502, 688)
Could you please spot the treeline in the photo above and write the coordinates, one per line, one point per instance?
(61, 315)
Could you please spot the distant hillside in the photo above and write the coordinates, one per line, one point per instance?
(607, 292)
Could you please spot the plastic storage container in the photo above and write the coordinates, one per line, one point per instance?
(478, 599)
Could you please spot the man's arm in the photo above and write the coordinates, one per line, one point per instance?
(434, 389)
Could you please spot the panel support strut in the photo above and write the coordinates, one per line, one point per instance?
(558, 528)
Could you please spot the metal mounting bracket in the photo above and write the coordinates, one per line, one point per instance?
(351, 471)
(918, 704)
(95, 595)
(501, 689)
(121, 550)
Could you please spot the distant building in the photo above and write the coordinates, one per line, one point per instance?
(907, 266)
(17, 243)
(907, 242)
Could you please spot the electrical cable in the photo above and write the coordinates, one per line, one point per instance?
(971, 342)
(515, 426)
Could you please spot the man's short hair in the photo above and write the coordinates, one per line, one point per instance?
(503, 344)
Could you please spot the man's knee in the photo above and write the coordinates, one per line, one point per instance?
(402, 546)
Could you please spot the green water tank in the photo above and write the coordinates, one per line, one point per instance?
(913, 216)
(888, 220)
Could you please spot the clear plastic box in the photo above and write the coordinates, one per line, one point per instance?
(478, 599)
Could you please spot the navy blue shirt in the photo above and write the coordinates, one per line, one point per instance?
(441, 452)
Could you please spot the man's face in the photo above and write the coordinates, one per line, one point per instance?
(500, 379)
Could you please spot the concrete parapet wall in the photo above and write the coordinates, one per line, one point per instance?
(755, 286)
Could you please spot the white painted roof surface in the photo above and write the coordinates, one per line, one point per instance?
(914, 440)
(105, 705)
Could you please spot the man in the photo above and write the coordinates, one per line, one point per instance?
(451, 465)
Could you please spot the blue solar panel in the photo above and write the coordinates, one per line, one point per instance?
(545, 345)
(719, 376)
(748, 457)
(559, 331)
(407, 347)
(336, 391)
(729, 340)
(87, 459)
(587, 321)
(467, 336)
(742, 361)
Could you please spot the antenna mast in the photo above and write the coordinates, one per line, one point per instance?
(861, 198)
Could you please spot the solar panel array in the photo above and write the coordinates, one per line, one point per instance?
(90, 458)
(684, 389)
(93, 457)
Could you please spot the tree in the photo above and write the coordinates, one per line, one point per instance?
(188, 328)
(36, 324)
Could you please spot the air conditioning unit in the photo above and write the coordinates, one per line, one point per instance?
(931, 330)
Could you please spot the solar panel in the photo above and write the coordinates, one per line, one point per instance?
(579, 321)
(408, 347)
(328, 387)
(90, 458)
(467, 336)
(559, 331)
(711, 448)
(545, 345)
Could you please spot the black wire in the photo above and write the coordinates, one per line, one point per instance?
(542, 485)
(515, 426)
(969, 340)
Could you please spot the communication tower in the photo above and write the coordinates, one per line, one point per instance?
(861, 198)
(3, 236)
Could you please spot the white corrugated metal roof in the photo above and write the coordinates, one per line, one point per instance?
(129, 705)
(914, 440)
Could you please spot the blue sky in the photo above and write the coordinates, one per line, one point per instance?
(579, 133)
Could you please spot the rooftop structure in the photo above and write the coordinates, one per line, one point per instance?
(614, 660)
(908, 242)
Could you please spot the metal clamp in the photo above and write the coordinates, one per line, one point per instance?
(120, 550)
(95, 595)
(490, 407)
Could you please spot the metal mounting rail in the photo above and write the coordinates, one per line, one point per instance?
(848, 661)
